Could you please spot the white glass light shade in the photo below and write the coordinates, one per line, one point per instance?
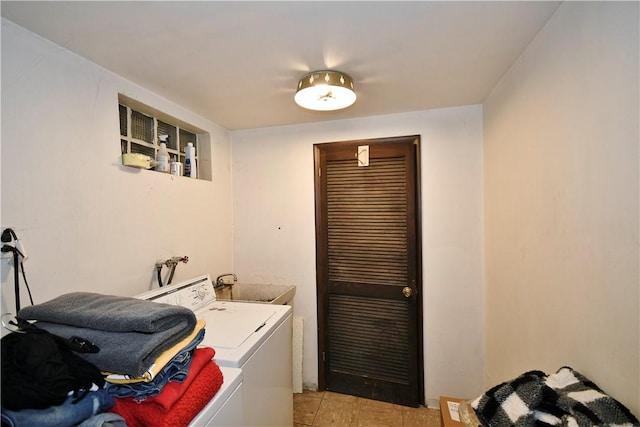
(325, 91)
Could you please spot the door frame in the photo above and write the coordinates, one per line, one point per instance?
(320, 198)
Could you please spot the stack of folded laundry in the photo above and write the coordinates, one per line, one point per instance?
(178, 402)
(147, 354)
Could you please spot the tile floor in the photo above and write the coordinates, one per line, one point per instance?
(325, 408)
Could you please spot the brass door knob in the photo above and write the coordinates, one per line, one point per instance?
(407, 291)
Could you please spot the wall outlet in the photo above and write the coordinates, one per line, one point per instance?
(20, 247)
(8, 239)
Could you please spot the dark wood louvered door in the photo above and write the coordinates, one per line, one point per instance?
(368, 269)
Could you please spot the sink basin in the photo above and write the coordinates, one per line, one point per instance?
(257, 292)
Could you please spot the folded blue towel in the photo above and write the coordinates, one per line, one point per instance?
(130, 333)
(108, 313)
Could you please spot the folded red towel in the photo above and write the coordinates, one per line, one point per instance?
(201, 387)
(172, 391)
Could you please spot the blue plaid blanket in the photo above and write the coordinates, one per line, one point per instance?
(565, 398)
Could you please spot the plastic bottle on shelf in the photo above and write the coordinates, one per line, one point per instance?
(190, 161)
(176, 167)
(162, 157)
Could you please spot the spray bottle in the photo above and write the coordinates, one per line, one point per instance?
(162, 157)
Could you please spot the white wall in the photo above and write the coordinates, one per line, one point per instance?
(561, 204)
(561, 147)
(90, 224)
(274, 229)
(87, 222)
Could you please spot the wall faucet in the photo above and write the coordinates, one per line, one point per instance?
(171, 263)
(220, 282)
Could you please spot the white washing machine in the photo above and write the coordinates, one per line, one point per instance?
(226, 408)
(256, 338)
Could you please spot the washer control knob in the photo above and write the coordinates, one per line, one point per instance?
(202, 292)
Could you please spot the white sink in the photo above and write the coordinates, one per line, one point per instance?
(257, 292)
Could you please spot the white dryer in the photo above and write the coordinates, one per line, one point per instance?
(256, 338)
(226, 407)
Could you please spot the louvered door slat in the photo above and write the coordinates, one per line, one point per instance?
(366, 211)
(359, 342)
(367, 238)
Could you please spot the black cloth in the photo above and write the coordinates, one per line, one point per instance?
(39, 370)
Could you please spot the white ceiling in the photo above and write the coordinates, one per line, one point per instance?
(238, 63)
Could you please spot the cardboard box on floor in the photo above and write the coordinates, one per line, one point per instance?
(449, 411)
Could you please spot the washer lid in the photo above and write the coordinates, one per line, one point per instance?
(231, 324)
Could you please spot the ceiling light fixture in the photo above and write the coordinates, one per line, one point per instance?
(325, 90)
